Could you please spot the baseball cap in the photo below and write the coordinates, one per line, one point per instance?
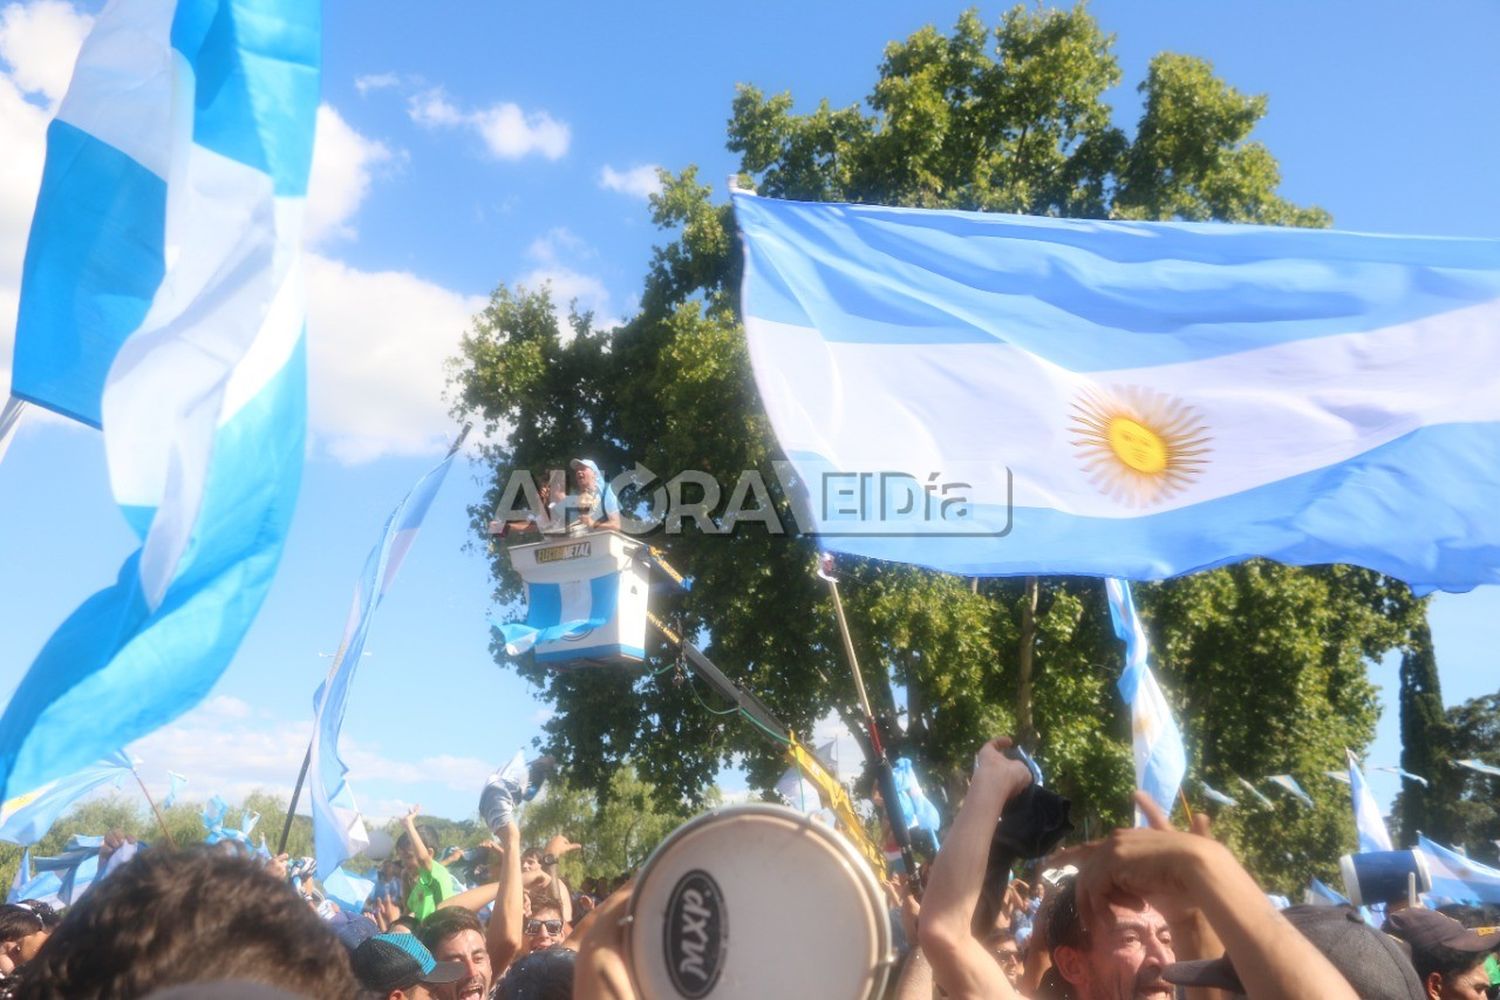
(1426, 929)
(1373, 963)
(396, 961)
(584, 463)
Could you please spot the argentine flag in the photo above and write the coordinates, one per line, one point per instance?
(338, 827)
(1155, 740)
(161, 300)
(26, 818)
(992, 394)
(1458, 878)
(1369, 825)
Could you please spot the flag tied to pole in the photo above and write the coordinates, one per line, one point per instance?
(1368, 823)
(26, 818)
(991, 394)
(161, 300)
(338, 827)
(1155, 741)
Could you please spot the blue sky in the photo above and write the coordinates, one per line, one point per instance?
(464, 144)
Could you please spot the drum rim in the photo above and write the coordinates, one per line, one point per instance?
(885, 941)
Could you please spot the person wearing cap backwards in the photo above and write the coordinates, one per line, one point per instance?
(595, 504)
(398, 967)
(1449, 958)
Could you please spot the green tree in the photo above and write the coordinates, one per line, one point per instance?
(1425, 738)
(1458, 806)
(1264, 664)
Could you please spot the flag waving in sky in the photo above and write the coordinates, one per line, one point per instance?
(1132, 399)
(1368, 823)
(338, 828)
(161, 299)
(1155, 741)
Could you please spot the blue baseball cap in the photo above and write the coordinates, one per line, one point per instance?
(388, 962)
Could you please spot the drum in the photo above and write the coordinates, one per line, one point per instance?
(1383, 876)
(757, 901)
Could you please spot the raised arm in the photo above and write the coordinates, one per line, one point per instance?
(419, 849)
(960, 963)
(503, 938)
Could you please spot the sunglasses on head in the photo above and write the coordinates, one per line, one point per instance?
(554, 927)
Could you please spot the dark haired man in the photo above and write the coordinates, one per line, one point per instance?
(196, 916)
(1449, 958)
(454, 935)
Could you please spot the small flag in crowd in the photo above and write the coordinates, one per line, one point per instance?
(1156, 742)
(161, 299)
(1214, 795)
(338, 827)
(178, 781)
(1140, 368)
(1480, 766)
(1259, 796)
(1289, 784)
(1405, 775)
(915, 805)
(1368, 824)
(27, 817)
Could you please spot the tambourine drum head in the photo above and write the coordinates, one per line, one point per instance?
(757, 901)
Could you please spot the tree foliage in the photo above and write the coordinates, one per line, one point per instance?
(1264, 664)
(1459, 807)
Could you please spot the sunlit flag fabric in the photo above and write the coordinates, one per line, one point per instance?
(1155, 741)
(1133, 399)
(1256, 792)
(915, 805)
(178, 781)
(1289, 784)
(19, 880)
(1404, 774)
(338, 828)
(555, 611)
(1457, 877)
(26, 818)
(1480, 766)
(162, 300)
(1319, 894)
(1368, 823)
(1214, 795)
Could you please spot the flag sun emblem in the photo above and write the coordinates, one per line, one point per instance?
(1137, 445)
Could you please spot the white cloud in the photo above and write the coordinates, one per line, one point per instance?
(376, 81)
(40, 42)
(343, 162)
(378, 343)
(224, 747)
(509, 131)
(639, 182)
(556, 252)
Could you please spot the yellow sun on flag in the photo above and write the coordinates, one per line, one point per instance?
(1137, 445)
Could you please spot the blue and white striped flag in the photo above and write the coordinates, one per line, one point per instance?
(1155, 740)
(1256, 792)
(1369, 825)
(338, 827)
(1459, 878)
(562, 611)
(1404, 774)
(1214, 795)
(26, 818)
(1319, 894)
(1289, 784)
(161, 299)
(1132, 399)
(1479, 766)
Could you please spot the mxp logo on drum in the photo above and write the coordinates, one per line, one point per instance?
(697, 934)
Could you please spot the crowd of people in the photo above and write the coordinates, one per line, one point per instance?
(1149, 911)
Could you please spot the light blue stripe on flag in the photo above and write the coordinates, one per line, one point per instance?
(338, 827)
(1290, 785)
(1132, 399)
(1156, 742)
(26, 818)
(1457, 877)
(545, 613)
(203, 393)
(1369, 826)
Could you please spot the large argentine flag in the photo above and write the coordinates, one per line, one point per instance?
(1129, 399)
(1457, 877)
(26, 818)
(161, 299)
(1155, 742)
(1369, 825)
(338, 828)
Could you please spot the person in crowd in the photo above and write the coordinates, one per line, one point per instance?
(547, 518)
(542, 975)
(46, 911)
(545, 927)
(1448, 957)
(454, 935)
(22, 934)
(399, 967)
(194, 916)
(430, 883)
(594, 507)
(1002, 944)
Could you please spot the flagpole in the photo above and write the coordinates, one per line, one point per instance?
(884, 776)
(286, 828)
(160, 821)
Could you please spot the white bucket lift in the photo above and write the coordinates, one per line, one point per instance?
(589, 591)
